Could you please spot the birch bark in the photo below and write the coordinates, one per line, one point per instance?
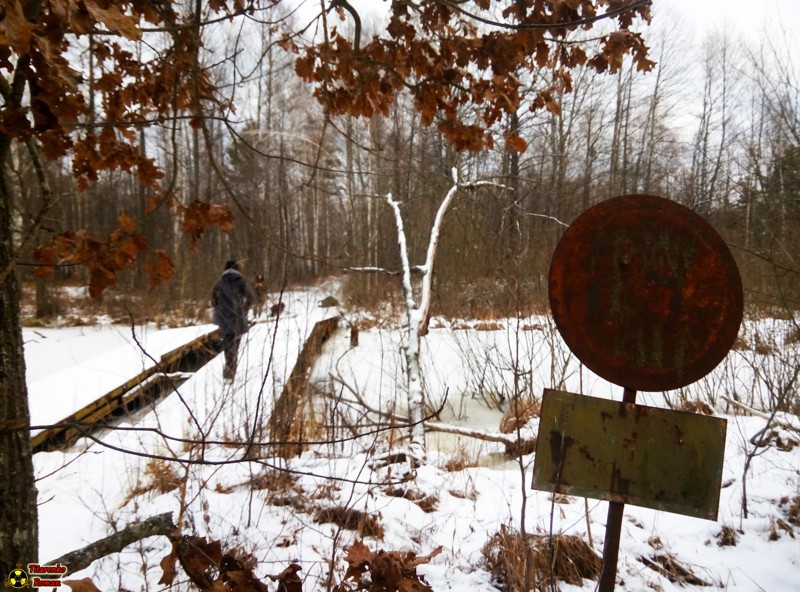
(417, 313)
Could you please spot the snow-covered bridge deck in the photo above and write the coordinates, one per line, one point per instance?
(83, 375)
(80, 375)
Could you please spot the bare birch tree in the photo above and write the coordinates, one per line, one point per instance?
(417, 309)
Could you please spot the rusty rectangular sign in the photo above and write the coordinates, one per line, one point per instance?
(628, 453)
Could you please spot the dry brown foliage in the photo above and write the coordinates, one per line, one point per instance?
(426, 501)
(364, 524)
(384, 571)
(282, 489)
(518, 415)
(460, 461)
(549, 559)
(289, 580)
(727, 537)
(161, 477)
(792, 509)
(764, 347)
(462, 66)
(696, 407)
(209, 569)
(776, 525)
(487, 326)
(780, 439)
(46, 107)
(740, 344)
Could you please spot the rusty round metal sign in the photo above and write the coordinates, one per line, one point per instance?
(645, 293)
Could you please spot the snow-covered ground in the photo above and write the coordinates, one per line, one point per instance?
(270, 507)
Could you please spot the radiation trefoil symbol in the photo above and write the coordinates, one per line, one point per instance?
(17, 579)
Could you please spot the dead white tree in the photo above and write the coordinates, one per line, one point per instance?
(417, 311)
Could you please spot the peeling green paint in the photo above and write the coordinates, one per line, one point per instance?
(628, 453)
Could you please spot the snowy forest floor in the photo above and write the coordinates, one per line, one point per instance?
(205, 454)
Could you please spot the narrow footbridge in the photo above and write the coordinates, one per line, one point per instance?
(155, 381)
(59, 418)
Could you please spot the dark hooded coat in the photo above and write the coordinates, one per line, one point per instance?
(231, 298)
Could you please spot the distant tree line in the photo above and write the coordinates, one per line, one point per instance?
(715, 126)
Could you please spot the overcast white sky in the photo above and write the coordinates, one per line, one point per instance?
(750, 17)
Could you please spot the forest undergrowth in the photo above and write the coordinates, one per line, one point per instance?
(243, 510)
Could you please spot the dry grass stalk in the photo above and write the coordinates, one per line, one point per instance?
(696, 407)
(792, 509)
(764, 347)
(161, 477)
(518, 415)
(282, 489)
(778, 524)
(460, 461)
(740, 344)
(468, 494)
(550, 559)
(727, 537)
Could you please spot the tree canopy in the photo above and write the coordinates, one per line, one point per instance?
(93, 117)
(450, 55)
(466, 65)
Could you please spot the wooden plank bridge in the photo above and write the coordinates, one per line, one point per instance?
(168, 373)
(164, 377)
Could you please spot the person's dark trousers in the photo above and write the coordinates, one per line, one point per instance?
(230, 344)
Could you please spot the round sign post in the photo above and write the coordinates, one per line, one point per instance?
(648, 296)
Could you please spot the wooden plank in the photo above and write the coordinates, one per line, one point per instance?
(123, 394)
(288, 403)
(171, 357)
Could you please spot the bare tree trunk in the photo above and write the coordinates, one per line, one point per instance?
(616, 139)
(411, 343)
(19, 525)
(649, 142)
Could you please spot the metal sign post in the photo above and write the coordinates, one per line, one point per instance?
(647, 296)
(608, 575)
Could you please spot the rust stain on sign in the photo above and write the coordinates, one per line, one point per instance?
(645, 293)
(628, 453)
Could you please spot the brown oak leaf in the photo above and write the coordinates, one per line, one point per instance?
(289, 580)
(197, 557)
(168, 568)
(114, 19)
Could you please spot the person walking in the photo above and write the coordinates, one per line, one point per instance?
(231, 297)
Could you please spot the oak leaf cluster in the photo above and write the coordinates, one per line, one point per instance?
(454, 57)
(95, 117)
(384, 571)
